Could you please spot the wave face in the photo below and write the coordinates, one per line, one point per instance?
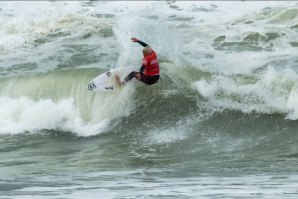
(224, 110)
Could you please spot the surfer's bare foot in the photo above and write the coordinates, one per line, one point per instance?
(118, 81)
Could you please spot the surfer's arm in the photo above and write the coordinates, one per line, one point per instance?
(143, 43)
(139, 41)
(142, 69)
(144, 64)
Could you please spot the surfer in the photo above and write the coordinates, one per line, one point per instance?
(149, 71)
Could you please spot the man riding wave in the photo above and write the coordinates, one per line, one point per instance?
(149, 71)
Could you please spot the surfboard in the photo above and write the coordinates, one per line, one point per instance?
(110, 80)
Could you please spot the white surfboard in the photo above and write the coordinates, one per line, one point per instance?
(108, 80)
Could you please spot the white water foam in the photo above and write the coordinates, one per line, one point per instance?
(25, 115)
(22, 21)
(90, 117)
(274, 91)
(49, 34)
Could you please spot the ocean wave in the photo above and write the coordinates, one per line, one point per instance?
(60, 101)
(234, 64)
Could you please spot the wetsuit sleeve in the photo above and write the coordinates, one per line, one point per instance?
(142, 69)
(144, 61)
(142, 43)
(144, 64)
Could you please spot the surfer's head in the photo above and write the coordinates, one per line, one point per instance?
(147, 51)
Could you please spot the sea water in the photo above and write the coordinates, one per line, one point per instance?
(220, 123)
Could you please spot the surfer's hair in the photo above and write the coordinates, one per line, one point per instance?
(147, 50)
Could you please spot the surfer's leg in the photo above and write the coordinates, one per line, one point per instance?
(152, 79)
(138, 76)
(149, 80)
(132, 75)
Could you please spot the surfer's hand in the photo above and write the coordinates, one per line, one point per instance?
(134, 40)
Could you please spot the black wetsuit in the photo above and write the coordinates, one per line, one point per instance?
(146, 79)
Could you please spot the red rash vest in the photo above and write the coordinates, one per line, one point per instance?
(151, 65)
